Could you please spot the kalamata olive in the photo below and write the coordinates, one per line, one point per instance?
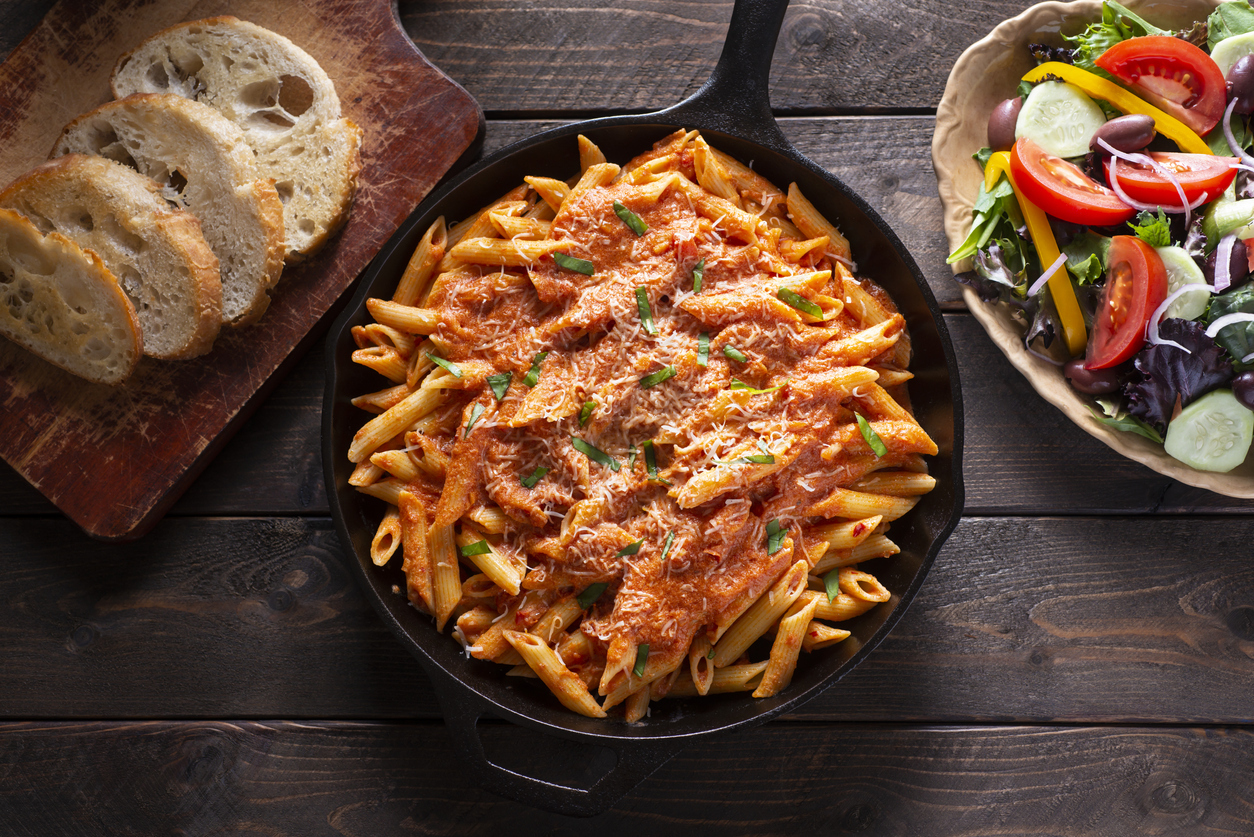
(1238, 265)
(1092, 381)
(1243, 389)
(1001, 124)
(1241, 84)
(1129, 133)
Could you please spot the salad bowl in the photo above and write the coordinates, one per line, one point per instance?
(984, 75)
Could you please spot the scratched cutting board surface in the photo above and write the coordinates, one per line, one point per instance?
(115, 459)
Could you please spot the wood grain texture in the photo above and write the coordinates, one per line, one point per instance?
(597, 56)
(114, 459)
(304, 780)
(1040, 620)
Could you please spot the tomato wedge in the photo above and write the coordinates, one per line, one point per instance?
(1062, 190)
(1136, 284)
(1200, 176)
(1172, 74)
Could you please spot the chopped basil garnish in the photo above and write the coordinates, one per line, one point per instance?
(533, 374)
(799, 302)
(536, 476)
(650, 458)
(630, 549)
(500, 384)
(735, 384)
(831, 583)
(646, 313)
(445, 364)
(735, 354)
(775, 534)
(630, 218)
(583, 266)
(476, 548)
(703, 349)
(655, 378)
(475, 412)
(666, 547)
(748, 459)
(872, 438)
(709, 655)
(586, 412)
(650, 463)
(698, 273)
(590, 594)
(596, 455)
(642, 656)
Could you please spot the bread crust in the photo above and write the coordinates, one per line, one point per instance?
(200, 161)
(157, 251)
(61, 303)
(281, 99)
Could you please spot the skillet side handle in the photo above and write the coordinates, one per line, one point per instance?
(637, 758)
(738, 91)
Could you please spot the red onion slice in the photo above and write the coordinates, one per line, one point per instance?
(1223, 262)
(1151, 327)
(1225, 321)
(1045, 277)
(1232, 141)
(1161, 170)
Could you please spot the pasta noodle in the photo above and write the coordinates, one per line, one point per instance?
(639, 431)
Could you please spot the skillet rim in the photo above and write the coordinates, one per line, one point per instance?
(481, 175)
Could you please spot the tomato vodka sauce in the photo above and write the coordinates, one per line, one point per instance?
(1116, 224)
(640, 428)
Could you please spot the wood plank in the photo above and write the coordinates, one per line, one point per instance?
(1064, 619)
(114, 459)
(135, 780)
(832, 55)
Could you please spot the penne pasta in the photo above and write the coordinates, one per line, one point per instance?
(387, 538)
(765, 612)
(568, 688)
(422, 263)
(787, 646)
(595, 389)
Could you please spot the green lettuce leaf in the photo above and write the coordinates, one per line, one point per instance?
(1086, 256)
(1237, 339)
(1117, 24)
(1229, 19)
(1154, 230)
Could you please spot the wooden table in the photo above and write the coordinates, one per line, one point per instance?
(1079, 661)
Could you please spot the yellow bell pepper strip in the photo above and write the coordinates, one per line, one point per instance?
(1059, 284)
(1096, 86)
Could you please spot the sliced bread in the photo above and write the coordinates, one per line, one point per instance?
(280, 98)
(156, 251)
(61, 303)
(201, 162)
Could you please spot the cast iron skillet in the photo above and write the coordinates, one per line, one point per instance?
(732, 110)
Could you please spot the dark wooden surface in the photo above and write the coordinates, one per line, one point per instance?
(1078, 662)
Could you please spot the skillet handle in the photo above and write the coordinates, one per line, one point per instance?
(738, 91)
(636, 759)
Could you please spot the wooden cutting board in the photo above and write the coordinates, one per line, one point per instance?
(115, 459)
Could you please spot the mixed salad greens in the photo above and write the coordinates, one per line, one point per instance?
(1116, 220)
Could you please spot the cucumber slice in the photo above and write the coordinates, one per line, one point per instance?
(1211, 434)
(1224, 216)
(1231, 50)
(1181, 271)
(1060, 118)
